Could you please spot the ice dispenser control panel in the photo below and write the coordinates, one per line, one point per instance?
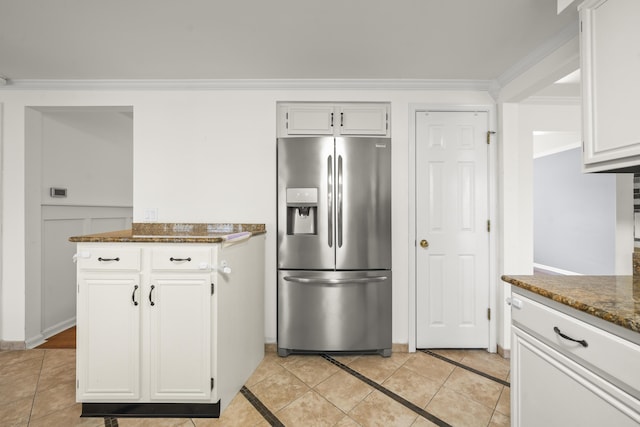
(302, 210)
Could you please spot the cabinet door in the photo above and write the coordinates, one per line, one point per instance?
(610, 40)
(108, 318)
(180, 336)
(309, 119)
(364, 119)
(548, 389)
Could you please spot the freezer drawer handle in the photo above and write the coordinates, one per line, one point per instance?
(321, 281)
(108, 259)
(567, 337)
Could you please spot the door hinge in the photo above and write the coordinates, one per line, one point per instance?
(489, 133)
(488, 313)
(488, 226)
(212, 288)
(212, 383)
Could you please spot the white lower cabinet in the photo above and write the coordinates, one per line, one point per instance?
(109, 336)
(149, 326)
(180, 337)
(559, 382)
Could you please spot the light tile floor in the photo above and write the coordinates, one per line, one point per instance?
(407, 389)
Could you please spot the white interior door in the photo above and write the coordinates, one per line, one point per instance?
(452, 238)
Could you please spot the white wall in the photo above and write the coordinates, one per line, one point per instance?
(207, 156)
(89, 152)
(1, 212)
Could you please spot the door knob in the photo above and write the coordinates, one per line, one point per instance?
(424, 243)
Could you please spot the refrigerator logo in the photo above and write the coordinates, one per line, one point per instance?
(381, 145)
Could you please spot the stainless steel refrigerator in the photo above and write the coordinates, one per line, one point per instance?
(334, 245)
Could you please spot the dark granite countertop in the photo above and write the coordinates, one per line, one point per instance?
(174, 233)
(615, 299)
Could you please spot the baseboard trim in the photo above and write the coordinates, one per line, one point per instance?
(56, 329)
(13, 345)
(505, 353)
(33, 342)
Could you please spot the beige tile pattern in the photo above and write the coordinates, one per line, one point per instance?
(37, 388)
(343, 390)
(459, 410)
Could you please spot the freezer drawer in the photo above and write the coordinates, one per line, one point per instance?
(322, 311)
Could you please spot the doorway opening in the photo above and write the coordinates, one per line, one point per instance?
(79, 180)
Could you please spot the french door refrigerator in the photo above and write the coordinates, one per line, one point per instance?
(334, 245)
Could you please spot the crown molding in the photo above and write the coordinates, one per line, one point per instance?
(249, 84)
(570, 32)
(553, 100)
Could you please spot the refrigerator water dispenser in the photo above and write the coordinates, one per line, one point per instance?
(302, 210)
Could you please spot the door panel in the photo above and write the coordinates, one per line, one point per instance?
(452, 289)
(363, 203)
(180, 336)
(109, 339)
(306, 164)
(334, 311)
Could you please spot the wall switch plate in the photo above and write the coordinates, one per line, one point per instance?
(57, 192)
(150, 215)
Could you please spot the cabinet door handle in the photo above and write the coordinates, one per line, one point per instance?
(108, 259)
(151, 293)
(133, 295)
(179, 259)
(566, 337)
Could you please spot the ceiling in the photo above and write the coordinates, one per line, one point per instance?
(273, 39)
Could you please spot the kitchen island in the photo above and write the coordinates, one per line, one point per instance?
(575, 349)
(170, 318)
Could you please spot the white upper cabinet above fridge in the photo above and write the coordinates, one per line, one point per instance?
(610, 66)
(302, 118)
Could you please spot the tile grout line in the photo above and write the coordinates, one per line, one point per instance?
(261, 407)
(35, 392)
(468, 368)
(415, 408)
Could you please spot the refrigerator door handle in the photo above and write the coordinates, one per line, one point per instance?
(330, 198)
(339, 201)
(322, 281)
